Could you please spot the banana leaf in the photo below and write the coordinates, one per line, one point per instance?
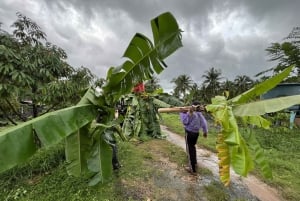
(100, 161)
(259, 156)
(261, 88)
(78, 146)
(143, 58)
(241, 160)
(17, 144)
(256, 121)
(266, 106)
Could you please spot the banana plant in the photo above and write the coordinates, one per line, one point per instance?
(235, 150)
(142, 118)
(89, 127)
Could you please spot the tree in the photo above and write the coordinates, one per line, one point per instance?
(29, 62)
(228, 86)
(195, 94)
(242, 83)
(68, 91)
(212, 79)
(183, 84)
(11, 81)
(286, 53)
(87, 141)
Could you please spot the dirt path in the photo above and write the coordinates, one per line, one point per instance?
(209, 160)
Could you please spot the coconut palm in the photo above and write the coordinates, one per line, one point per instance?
(183, 85)
(212, 81)
(243, 83)
(228, 86)
(195, 94)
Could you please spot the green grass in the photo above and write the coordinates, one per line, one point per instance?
(282, 149)
(44, 177)
(215, 192)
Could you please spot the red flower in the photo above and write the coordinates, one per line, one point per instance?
(139, 88)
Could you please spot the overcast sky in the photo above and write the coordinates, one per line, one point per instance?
(230, 35)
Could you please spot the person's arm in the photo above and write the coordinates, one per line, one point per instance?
(203, 124)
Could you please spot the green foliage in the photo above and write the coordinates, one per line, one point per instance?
(171, 100)
(183, 83)
(141, 119)
(139, 178)
(216, 192)
(258, 153)
(65, 92)
(286, 54)
(225, 113)
(49, 129)
(144, 59)
(28, 64)
(261, 88)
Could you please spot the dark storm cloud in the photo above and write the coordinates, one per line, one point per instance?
(230, 35)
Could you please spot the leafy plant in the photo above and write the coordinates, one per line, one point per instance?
(89, 126)
(233, 149)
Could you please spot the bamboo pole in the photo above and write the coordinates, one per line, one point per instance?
(177, 109)
(173, 109)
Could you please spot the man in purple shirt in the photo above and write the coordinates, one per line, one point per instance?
(193, 121)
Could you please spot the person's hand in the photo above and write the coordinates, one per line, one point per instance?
(191, 110)
(205, 135)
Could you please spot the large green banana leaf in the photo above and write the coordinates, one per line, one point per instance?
(77, 149)
(261, 88)
(143, 58)
(17, 143)
(258, 155)
(100, 160)
(266, 106)
(241, 160)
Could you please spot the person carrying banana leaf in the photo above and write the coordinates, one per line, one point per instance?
(193, 121)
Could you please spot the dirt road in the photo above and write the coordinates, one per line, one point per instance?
(209, 160)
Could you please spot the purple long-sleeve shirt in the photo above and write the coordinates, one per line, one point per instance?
(191, 122)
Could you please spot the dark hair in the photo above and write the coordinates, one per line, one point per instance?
(195, 103)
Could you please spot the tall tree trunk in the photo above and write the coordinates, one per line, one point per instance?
(7, 116)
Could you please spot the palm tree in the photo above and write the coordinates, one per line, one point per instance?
(212, 81)
(243, 83)
(183, 84)
(230, 87)
(195, 94)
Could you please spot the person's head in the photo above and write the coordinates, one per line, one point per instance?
(196, 105)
